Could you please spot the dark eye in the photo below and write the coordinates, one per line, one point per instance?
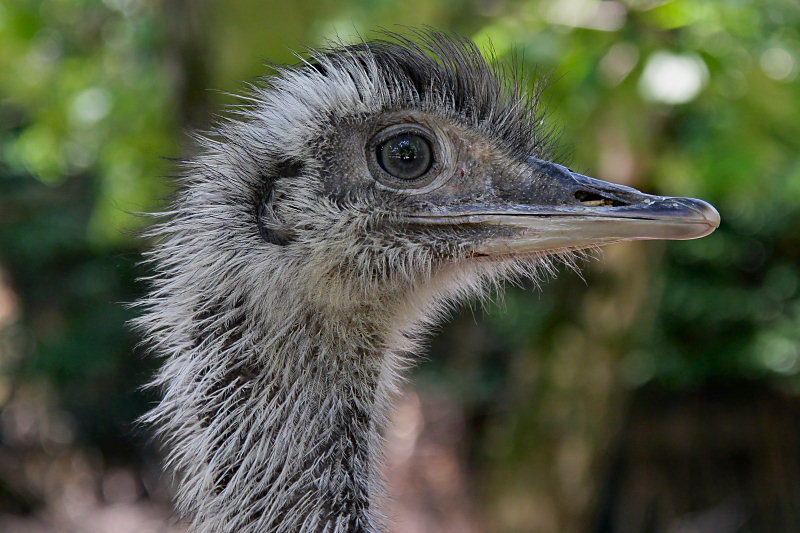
(406, 156)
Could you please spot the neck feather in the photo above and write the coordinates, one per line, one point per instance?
(273, 406)
(279, 431)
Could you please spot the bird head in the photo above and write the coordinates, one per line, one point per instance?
(371, 170)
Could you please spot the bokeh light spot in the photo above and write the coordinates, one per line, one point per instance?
(671, 78)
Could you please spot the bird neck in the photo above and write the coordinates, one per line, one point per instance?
(287, 426)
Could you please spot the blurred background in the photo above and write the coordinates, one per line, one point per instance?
(661, 394)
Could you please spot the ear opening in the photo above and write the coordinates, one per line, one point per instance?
(271, 228)
(289, 169)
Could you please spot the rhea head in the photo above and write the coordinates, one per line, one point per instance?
(317, 232)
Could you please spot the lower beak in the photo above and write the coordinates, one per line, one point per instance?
(578, 212)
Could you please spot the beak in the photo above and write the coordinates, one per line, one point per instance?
(557, 209)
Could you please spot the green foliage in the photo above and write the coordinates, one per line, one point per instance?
(86, 93)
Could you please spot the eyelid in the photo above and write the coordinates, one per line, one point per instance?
(399, 129)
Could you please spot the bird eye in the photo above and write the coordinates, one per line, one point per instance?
(406, 156)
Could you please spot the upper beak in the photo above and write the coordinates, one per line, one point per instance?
(560, 209)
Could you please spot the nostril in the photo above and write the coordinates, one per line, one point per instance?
(596, 200)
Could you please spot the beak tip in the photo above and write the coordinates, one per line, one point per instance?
(706, 212)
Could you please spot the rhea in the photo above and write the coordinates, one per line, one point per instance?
(318, 233)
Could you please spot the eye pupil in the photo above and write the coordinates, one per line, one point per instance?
(406, 156)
